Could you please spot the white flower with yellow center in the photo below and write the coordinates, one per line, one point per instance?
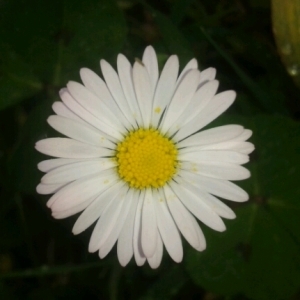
(136, 162)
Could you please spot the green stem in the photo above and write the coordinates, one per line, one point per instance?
(114, 281)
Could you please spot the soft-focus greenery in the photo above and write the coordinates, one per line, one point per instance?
(43, 44)
(286, 27)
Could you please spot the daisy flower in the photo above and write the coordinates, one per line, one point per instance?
(135, 161)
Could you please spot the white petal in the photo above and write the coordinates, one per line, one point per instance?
(45, 189)
(213, 135)
(191, 65)
(212, 139)
(183, 219)
(165, 88)
(201, 237)
(125, 74)
(245, 147)
(72, 210)
(98, 115)
(197, 207)
(155, 260)
(202, 156)
(94, 211)
(212, 202)
(113, 83)
(242, 147)
(181, 99)
(150, 62)
(197, 103)
(77, 170)
(221, 170)
(125, 241)
(79, 131)
(137, 230)
(115, 232)
(212, 110)
(62, 110)
(207, 75)
(149, 225)
(247, 133)
(167, 228)
(50, 164)
(143, 92)
(68, 148)
(95, 84)
(88, 117)
(218, 187)
(81, 190)
(107, 221)
(94, 105)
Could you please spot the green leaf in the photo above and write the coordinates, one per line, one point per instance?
(11, 233)
(57, 38)
(63, 37)
(221, 266)
(17, 82)
(278, 161)
(179, 10)
(273, 269)
(261, 94)
(23, 162)
(258, 255)
(91, 31)
(50, 270)
(172, 37)
(167, 286)
(6, 292)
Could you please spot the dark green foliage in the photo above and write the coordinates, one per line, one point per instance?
(258, 255)
(43, 44)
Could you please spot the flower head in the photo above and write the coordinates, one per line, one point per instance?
(136, 162)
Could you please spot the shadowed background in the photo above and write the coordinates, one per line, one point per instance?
(43, 44)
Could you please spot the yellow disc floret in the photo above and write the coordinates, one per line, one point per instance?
(146, 159)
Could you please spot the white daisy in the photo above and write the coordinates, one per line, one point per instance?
(135, 161)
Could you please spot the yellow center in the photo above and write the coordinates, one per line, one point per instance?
(146, 159)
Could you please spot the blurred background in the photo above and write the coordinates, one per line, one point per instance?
(255, 47)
